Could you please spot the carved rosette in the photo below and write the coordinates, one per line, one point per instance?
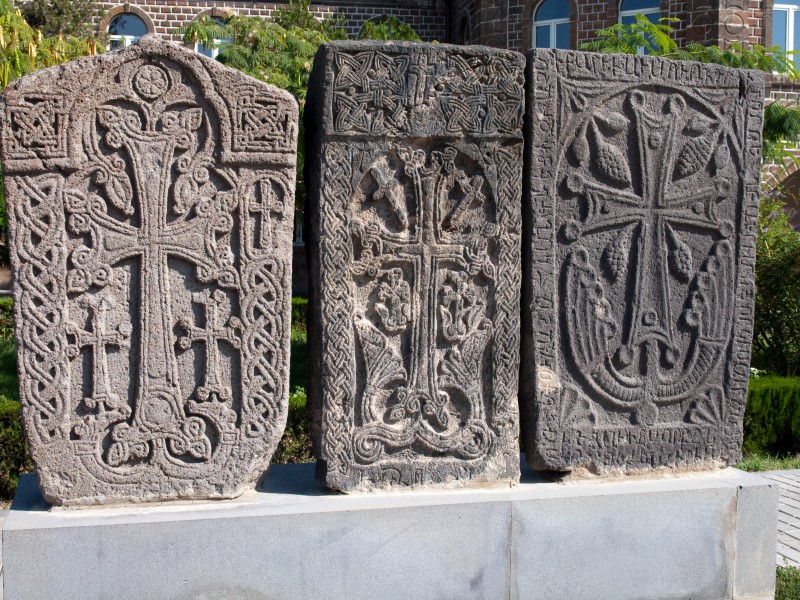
(649, 193)
(152, 260)
(418, 265)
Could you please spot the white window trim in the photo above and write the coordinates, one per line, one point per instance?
(126, 40)
(552, 23)
(214, 50)
(633, 13)
(790, 10)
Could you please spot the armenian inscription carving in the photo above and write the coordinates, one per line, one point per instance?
(415, 263)
(152, 299)
(642, 209)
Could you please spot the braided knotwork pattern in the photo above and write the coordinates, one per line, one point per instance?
(509, 283)
(264, 359)
(39, 251)
(338, 338)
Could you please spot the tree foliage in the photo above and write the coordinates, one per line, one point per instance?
(388, 29)
(23, 50)
(781, 122)
(776, 335)
(280, 52)
(61, 17)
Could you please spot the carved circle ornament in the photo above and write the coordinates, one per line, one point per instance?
(646, 253)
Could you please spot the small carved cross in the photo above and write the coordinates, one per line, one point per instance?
(472, 192)
(97, 339)
(211, 335)
(265, 202)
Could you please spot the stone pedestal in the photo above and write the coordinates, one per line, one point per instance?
(702, 536)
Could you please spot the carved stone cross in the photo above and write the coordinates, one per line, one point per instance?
(131, 205)
(211, 335)
(97, 338)
(268, 206)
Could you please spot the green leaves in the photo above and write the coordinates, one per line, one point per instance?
(389, 28)
(631, 38)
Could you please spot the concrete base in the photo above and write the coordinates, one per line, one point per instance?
(701, 536)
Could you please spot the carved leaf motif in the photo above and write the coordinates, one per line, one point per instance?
(382, 360)
(681, 256)
(576, 410)
(722, 156)
(694, 155)
(708, 409)
(616, 253)
(614, 122)
(610, 161)
(120, 192)
(580, 147)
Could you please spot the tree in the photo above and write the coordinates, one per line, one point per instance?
(388, 29)
(61, 17)
(280, 52)
(776, 332)
(781, 122)
(23, 50)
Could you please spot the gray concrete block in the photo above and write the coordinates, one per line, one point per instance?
(756, 536)
(667, 544)
(265, 546)
(701, 536)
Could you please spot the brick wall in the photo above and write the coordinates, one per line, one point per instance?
(428, 18)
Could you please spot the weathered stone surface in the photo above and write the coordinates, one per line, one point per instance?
(150, 198)
(640, 218)
(414, 164)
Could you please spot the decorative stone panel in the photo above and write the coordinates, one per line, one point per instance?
(414, 157)
(150, 200)
(641, 212)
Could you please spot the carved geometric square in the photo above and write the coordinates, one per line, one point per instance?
(152, 277)
(639, 252)
(414, 158)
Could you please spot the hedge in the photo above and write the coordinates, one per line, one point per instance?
(299, 313)
(772, 417)
(14, 458)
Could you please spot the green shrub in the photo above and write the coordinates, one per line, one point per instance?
(295, 445)
(772, 416)
(776, 331)
(14, 459)
(787, 583)
(299, 313)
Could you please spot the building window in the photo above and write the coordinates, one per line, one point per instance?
(213, 52)
(125, 29)
(551, 28)
(786, 26)
(464, 34)
(628, 9)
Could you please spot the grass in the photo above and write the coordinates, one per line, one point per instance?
(767, 462)
(787, 583)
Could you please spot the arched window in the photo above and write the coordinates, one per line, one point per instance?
(125, 29)
(786, 25)
(464, 33)
(628, 9)
(213, 52)
(551, 28)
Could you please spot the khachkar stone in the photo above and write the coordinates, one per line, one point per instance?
(415, 164)
(150, 196)
(640, 219)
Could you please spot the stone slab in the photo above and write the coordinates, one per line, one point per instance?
(413, 160)
(659, 539)
(150, 197)
(640, 216)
